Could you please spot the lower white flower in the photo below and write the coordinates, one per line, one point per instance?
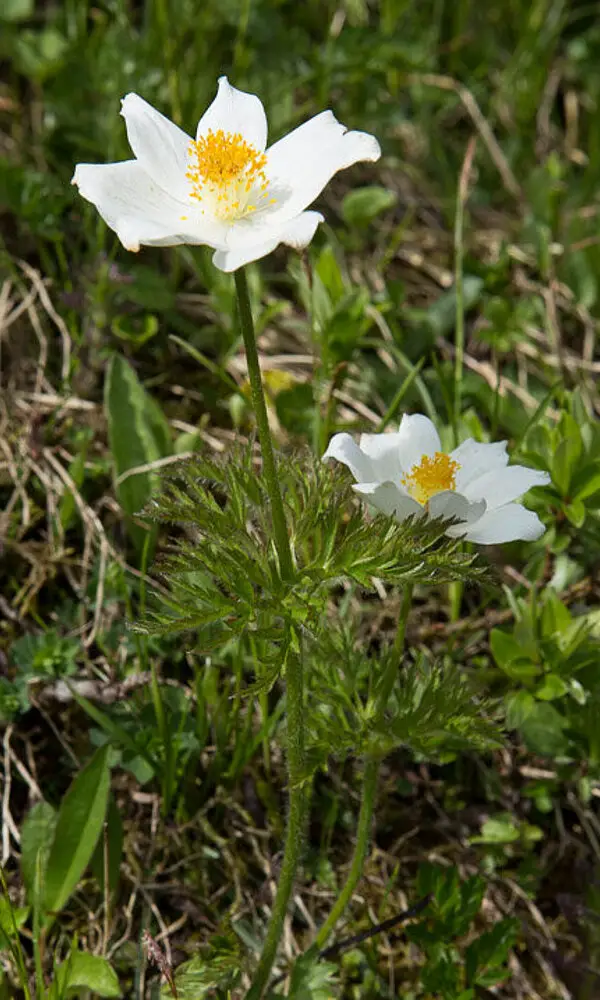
(224, 188)
(407, 473)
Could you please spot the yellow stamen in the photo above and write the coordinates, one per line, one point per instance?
(224, 168)
(431, 476)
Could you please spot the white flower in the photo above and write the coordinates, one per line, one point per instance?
(407, 473)
(224, 188)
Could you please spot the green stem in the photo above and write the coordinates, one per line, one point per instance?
(295, 824)
(365, 818)
(459, 336)
(262, 422)
(164, 732)
(294, 673)
(370, 779)
(389, 678)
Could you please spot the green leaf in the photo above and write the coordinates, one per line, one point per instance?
(567, 452)
(329, 272)
(362, 205)
(11, 917)
(486, 956)
(588, 482)
(138, 434)
(312, 979)
(575, 512)
(78, 827)
(83, 971)
(519, 704)
(203, 975)
(37, 834)
(555, 616)
(511, 655)
(551, 687)
(505, 648)
(543, 730)
(498, 830)
(114, 845)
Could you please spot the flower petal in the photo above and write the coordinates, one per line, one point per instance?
(343, 448)
(138, 210)
(161, 148)
(506, 524)
(388, 498)
(239, 250)
(304, 161)
(449, 504)
(417, 437)
(475, 459)
(235, 111)
(501, 486)
(383, 450)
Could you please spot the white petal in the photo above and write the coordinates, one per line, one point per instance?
(449, 504)
(304, 161)
(240, 250)
(138, 210)
(161, 148)
(506, 524)
(500, 486)
(299, 232)
(417, 437)
(235, 111)
(343, 448)
(475, 459)
(388, 498)
(383, 450)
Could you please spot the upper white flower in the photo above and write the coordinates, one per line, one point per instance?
(224, 188)
(407, 473)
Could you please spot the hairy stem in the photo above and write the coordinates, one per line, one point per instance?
(295, 827)
(280, 533)
(459, 334)
(389, 677)
(367, 805)
(294, 675)
(369, 780)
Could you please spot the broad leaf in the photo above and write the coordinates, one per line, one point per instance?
(82, 971)
(37, 835)
(138, 434)
(78, 828)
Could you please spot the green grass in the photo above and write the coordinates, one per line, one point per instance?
(366, 324)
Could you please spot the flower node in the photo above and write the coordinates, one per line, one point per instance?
(431, 476)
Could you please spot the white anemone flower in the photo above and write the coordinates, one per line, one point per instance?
(407, 473)
(224, 188)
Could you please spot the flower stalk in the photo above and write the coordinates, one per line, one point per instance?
(363, 832)
(370, 779)
(280, 533)
(295, 824)
(294, 674)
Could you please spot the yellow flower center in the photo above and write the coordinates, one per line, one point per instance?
(431, 476)
(228, 172)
